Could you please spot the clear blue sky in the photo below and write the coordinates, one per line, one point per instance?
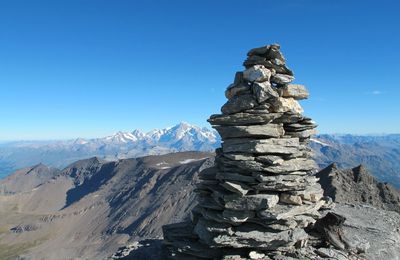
(92, 67)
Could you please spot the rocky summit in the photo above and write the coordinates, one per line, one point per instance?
(261, 199)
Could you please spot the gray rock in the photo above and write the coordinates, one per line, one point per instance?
(281, 211)
(264, 91)
(264, 50)
(298, 164)
(378, 227)
(239, 157)
(282, 79)
(298, 184)
(289, 118)
(295, 91)
(253, 202)
(235, 177)
(332, 253)
(243, 118)
(301, 134)
(270, 159)
(245, 166)
(297, 178)
(269, 130)
(236, 187)
(287, 105)
(238, 104)
(312, 193)
(290, 199)
(262, 240)
(257, 73)
(236, 89)
(274, 65)
(273, 145)
(237, 216)
(209, 203)
(238, 78)
(276, 55)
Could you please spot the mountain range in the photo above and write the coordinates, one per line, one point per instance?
(380, 154)
(181, 137)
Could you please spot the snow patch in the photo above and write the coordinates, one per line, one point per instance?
(191, 160)
(319, 142)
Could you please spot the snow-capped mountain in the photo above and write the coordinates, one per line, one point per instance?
(379, 153)
(181, 137)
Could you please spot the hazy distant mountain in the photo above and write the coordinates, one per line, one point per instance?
(182, 137)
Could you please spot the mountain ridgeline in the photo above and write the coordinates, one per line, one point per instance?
(121, 145)
(379, 154)
(92, 207)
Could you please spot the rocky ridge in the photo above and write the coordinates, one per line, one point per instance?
(262, 194)
(357, 186)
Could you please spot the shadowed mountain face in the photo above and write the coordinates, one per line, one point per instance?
(357, 186)
(92, 207)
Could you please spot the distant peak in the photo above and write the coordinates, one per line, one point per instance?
(360, 168)
(333, 166)
(184, 124)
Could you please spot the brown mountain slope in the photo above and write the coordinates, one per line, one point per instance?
(26, 179)
(92, 207)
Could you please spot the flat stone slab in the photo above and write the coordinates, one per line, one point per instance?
(268, 130)
(289, 211)
(253, 202)
(295, 91)
(238, 104)
(243, 119)
(262, 240)
(273, 145)
(287, 105)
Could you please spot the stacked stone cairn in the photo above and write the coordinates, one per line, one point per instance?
(261, 195)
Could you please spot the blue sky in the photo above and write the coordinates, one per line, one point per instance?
(90, 68)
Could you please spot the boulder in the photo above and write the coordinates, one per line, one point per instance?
(295, 91)
(282, 79)
(238, 104)
(237, 89)
(264, 91)
(257, 73)
(287, 105)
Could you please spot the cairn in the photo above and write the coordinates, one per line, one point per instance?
(262, 194)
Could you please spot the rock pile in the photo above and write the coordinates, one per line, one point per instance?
(262, 193)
